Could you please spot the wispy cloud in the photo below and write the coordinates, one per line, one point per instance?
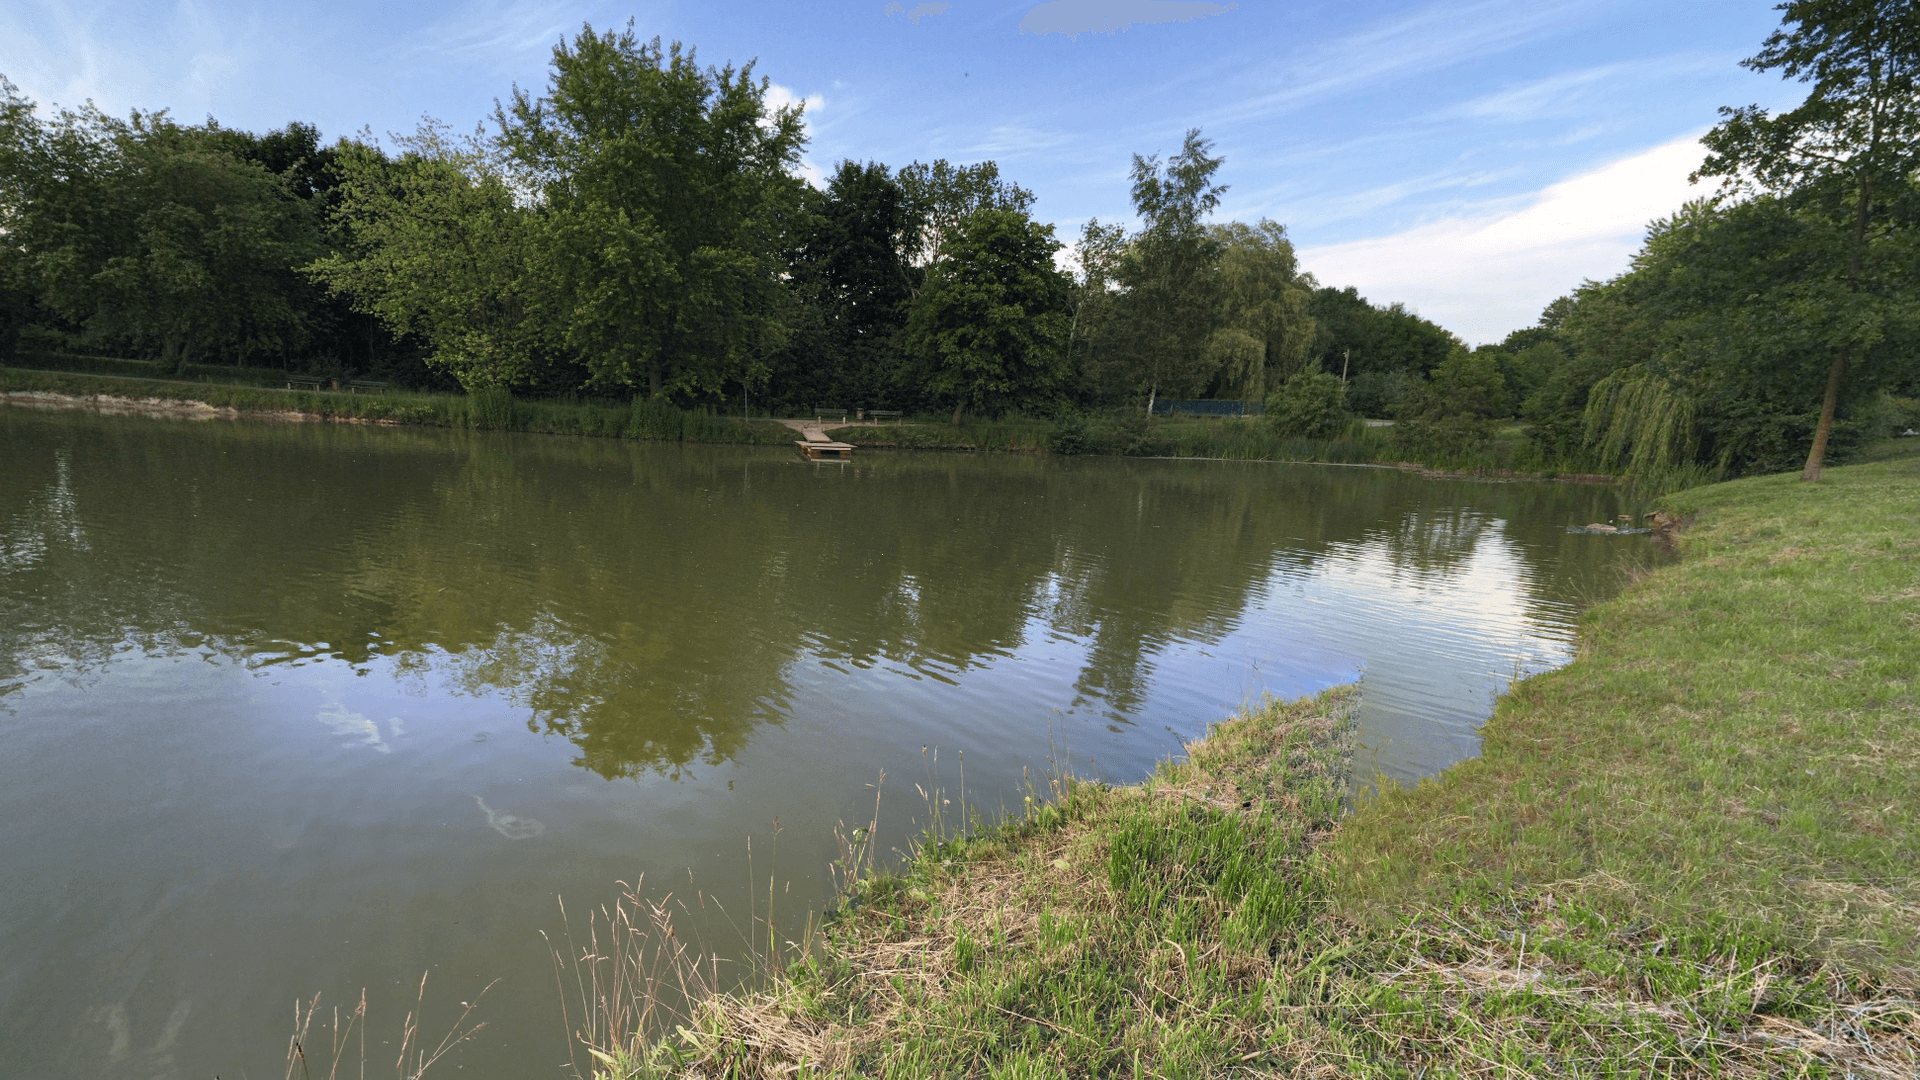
(920, 11)
(1076, 17)
(502, 32)
(1571, 91)
(1435, 38)
(1484, 275)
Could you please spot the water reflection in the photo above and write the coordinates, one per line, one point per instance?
(294, 708)
(650, 604)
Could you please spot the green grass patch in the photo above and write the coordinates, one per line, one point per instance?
(1736, 757)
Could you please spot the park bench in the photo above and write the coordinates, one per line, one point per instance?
(824, 415)
(305, 382)
(371, 386)
(883, 415)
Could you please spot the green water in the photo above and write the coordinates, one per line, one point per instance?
(298, 709)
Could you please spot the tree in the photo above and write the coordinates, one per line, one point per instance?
(1453, 412)
(436, 245)
(667, 190)
(1171, 307)
(1096, 298)
(940, 195)
(1849, 151)
(150, 232)
(1309, 405)
(992, 320)
(1266, 332)
(850, 271)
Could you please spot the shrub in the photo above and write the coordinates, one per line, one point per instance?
(1452, 414)
(1309, 405)
(652, 418)
(490, 408)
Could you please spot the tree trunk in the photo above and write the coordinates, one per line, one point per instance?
(653, 379)
(1816, 458)
(957, 406)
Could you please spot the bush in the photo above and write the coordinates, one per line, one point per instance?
(1452, 414)
(1310, 405)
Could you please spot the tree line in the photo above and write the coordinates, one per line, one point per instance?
(640, 228)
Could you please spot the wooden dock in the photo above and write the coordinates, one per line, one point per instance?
(816, 450)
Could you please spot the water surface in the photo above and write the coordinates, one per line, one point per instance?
(289, 709)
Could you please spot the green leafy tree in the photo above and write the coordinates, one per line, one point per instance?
(1266, 332)
(1309, 405)
(151, 232)
(436, 245)
(992, 321)
(666, 190)
(1848, 152)
(1453, 412)
(1097, 356)
(939, 196)
(1171, 307)
(851, 276)
(1357, 338)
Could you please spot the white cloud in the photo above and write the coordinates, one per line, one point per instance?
(1483, 276)
(1076, 17)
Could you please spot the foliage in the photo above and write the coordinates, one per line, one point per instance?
(1309, 405)
(1453, 413)
(853, 283)
(665, 189)
(1266, 331)
(435, 245)
(1168, 270)
(1846, 156)
(993, 320)
(1355, 338)
(936, 198)
(1713, 348)
(148, 231)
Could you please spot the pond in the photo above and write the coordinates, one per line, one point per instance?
(299, 708)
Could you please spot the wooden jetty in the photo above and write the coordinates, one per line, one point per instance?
(816, 450)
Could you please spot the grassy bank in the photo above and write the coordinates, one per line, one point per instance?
(554, 416)
(1692, 852)
(1509, 454)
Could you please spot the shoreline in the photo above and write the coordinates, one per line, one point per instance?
(1647, 871)
(116, 395)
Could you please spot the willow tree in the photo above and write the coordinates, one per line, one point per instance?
(1849, 151)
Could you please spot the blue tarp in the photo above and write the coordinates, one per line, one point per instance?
(1167, 407)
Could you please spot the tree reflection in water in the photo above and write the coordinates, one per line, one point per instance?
(650, 602)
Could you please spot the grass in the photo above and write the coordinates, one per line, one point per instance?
(1736, 758)
(554, 416)
(1690, 853)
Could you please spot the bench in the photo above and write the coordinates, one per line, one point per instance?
(371, 386)
(305, 382)
(824, 415)
(884, 415)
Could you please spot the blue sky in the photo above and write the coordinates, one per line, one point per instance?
(1473, 159)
